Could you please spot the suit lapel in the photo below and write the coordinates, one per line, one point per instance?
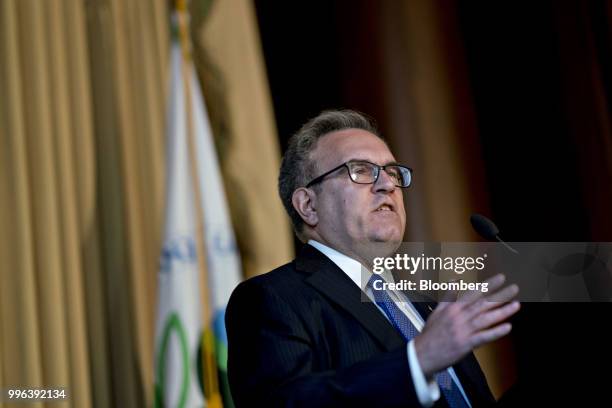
(328, 279)
(423, 307)
(472, 378)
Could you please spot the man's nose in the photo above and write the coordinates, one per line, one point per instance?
(384, 183)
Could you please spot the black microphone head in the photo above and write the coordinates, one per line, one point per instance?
(484, 227)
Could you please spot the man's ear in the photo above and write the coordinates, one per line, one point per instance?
(304, 201)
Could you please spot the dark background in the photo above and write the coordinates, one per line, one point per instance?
(530, 84)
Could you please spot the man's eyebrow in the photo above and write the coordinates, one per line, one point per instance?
(389, 163)
(392, 163)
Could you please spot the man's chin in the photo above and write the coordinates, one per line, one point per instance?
(389, 233)
(386, 241)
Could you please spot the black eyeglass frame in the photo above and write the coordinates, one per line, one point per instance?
(346, 164)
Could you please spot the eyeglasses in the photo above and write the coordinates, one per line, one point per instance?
(364, 172)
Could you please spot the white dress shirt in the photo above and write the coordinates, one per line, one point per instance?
(428, 392)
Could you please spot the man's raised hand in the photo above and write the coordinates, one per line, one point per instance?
(457, 327)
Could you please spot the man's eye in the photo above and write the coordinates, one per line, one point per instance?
(361, 170)
(395, 174)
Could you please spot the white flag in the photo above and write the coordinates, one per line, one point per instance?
(179, 322)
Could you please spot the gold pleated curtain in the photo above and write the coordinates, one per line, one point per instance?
(82, 158)
(229, 58)
(82, 182)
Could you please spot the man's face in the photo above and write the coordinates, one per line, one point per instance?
(353, 216)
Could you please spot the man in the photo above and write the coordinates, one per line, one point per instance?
(301, 335)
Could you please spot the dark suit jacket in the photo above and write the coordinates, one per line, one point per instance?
(301, 336)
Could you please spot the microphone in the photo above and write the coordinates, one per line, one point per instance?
(488, 230)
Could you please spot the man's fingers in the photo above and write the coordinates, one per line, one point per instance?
(495, 316)
(448, 298)
(489, 335)
(493, 300)
(504, 295)
(493, 282)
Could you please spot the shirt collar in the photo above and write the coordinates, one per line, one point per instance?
(348, 265)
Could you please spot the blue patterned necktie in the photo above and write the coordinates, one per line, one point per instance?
(403, 324)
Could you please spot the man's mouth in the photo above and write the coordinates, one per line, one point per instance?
(384, 207)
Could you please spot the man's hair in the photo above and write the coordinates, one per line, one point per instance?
(297, 167)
